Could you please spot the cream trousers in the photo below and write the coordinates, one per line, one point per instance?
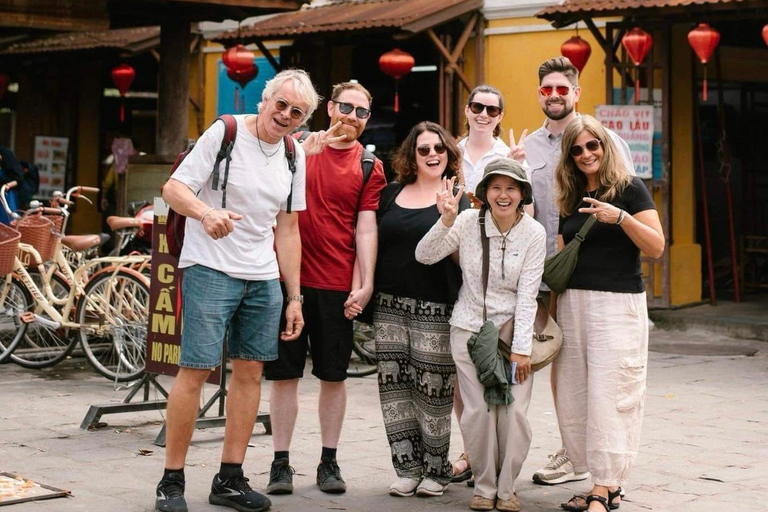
(497, 437)
(600, 380)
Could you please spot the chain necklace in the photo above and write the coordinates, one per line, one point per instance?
(593, 196)
(258, 139)
(504, 237)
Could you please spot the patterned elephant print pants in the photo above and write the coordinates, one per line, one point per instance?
(416, 379)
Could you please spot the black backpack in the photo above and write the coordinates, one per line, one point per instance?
(176, 223)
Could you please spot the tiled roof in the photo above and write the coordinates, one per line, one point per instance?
(130, 39)
(345, 15)
(613, 7)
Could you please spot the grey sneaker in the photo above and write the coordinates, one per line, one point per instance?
(329, 477)
(170, 494)
(558, 471)
(280, 477)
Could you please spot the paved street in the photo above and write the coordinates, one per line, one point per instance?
(703, 445)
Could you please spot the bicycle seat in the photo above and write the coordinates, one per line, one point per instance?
(81, 242)
(116, 222)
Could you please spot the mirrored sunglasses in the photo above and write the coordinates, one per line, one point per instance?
(477, 108)
(426, 149)
(561, 90)
(296, 112)
(347, 108)
(592, 145)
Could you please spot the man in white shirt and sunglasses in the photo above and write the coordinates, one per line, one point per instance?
(558, 94)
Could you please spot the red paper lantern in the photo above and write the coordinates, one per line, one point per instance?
(123, 76)
(4, 81)
(241, 68)
(638, 43)
(765, 34)
(396, 63)
(704, 39)
(577, 50)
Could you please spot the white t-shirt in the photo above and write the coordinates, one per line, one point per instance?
(473, 173)
(257, 188)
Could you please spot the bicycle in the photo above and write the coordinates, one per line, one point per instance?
(363, 361)
(107, 304)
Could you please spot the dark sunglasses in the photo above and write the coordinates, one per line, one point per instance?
(347, 108)
(296, 112)
(562, 90)
(592, 145)
(425, 149)
(477, 108)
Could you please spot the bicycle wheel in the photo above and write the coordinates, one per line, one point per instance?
(113, 317)
(363, 361)
(45, 345)
(15, 300)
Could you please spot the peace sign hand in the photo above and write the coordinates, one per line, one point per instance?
(317, 141)
(448, 203)
(517, 150)
(603, 212)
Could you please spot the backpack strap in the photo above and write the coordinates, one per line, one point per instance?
(366, 162)
(290, 155)
(303, 135)
(225, 153)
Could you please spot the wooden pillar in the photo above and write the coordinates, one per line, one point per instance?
(85, 142)
(173, 89)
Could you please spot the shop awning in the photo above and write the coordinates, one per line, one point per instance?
(567, 12)
(361, 15)
(129, 39)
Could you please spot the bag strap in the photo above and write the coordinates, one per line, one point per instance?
(290, 155)
(582, 234)
(486, 259)
(225, 153)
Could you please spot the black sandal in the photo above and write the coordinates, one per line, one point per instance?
(600, 500)
(581, 508)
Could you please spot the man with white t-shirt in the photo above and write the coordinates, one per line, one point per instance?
(558, 94)
(232, 260)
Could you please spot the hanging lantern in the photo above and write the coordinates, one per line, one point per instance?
(704, 39)
(4, 81)
(638, 43)
(396, 63)
(123, 76)
(241, 68)
(577, 50)
(765, 34)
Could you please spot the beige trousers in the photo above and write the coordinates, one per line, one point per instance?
(600, 380)
(498, 437)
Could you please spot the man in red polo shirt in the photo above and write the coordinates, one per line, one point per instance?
(339, 243)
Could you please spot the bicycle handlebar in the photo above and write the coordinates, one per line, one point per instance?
(4, 201)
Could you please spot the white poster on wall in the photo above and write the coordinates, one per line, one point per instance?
(51, 161)
(634, 124)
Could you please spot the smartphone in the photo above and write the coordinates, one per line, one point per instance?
(513, 373)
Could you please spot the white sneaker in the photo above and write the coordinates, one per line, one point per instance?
(558, 471)
(404, 487)
(429, 487)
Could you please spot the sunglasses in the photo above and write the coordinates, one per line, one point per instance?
(425, 149)
(296, 112)
(562, 90)
(592, 145)
(347, 108)
(477, 108)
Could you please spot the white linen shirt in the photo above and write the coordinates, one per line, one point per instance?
(257, 188)
(513, 296)
(473, 173)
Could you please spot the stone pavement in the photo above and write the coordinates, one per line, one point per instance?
(703, 445)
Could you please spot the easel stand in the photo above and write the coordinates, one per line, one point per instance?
(219, 396)
(95, 412)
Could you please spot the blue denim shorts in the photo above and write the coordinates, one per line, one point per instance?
(216, 306)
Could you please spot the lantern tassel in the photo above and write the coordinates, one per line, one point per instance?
(637, 85)
(397, 98)
(122, 112)
(242, 103)
(704, 87)
(237, 99)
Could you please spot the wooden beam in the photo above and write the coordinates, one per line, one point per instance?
(51, 22)
(173, 88)
(462, 42)
(286, 5)
(268, 55)
(450, 64)
(480, 52)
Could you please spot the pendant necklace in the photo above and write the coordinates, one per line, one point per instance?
(258, 139)
(504, 237)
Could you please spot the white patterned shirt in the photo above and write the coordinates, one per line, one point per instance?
(508, 297)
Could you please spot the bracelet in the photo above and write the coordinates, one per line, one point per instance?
(209, 210)
(299, 298)
(621, 217)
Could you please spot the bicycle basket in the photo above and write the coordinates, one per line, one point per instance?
(40, 233)
(9, 245)
(58, 222)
